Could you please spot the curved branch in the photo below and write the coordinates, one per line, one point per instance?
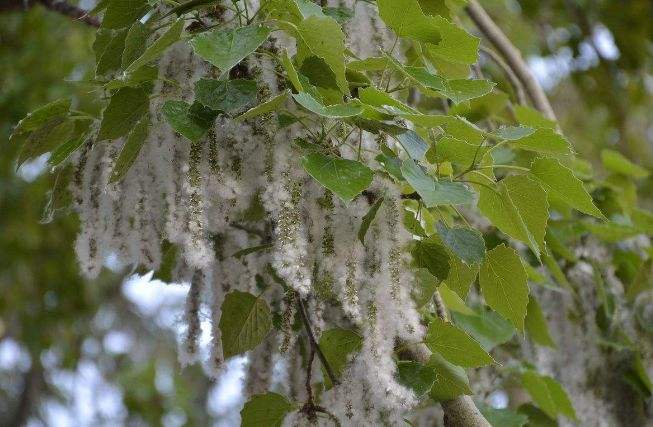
(512, 56)
(510, 74)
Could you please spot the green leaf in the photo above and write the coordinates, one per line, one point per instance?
(336, 345)
(456, 46)
(513, 133)
(192, 121)
(323, 37)
(42, 115)
(536, 324)
(346, 178)
(450, 149)
(110, 58)
(122, 13)
(45, 139)
(548, 395)
(461, 276)
(406, 19)
(226, 48)
(171, 36)
(244, 323)
(368, 219)
(429, 253)
(268, 409)
(294, 11)
(455, 345)
(414, 145)
(560, 182)
(291, 72)
(432, 191)
(130, 150)
(265, 107)
(560, 398)
(502, 417)
(243, 252)
(135, 43)
(416, 376)
(76, 139)
(338, 111)
(468, 244)
(453, 301)
(147, 73)
(531, 117)
(458, 90)
(486, 327)
(531, 202)
(230, 96)
(502, 211)
(340, 14)
(546, 141)
(451, 381)
(125, 109)
(425, 286)
(503, 282)
(62, 152)
(616, 162)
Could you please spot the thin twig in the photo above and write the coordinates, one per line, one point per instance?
(510, 74)
(512, 57)
(311, 338)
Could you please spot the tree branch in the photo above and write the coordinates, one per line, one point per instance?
(58, 6)
(512, 56)
(313, 343)
(510, 74)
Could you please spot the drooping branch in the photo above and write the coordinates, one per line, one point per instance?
(58, 6)
(313, 343)
(512, 56)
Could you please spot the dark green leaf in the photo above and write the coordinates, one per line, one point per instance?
(349, 109)
(159, 46)
(130, 150)
(243, 252)
(486, 327)
(431, 254)
(244, 323)
(416, 376)
(468, 244)
(267, 409)
(455, 345)
(265, 107)
(346, 178)
(336, 345)
(226, 48)
(230, 96)
(125, 109)
(192, 121)
(42, 115)
(368, 219)
(432, 191)
(122, 13)
(451, 381)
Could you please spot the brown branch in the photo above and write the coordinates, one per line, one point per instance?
(512, 56)
(510, 74)
(309, 332)
(61, 7)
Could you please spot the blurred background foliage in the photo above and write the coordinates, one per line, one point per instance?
(594, 57)
(71, 352)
